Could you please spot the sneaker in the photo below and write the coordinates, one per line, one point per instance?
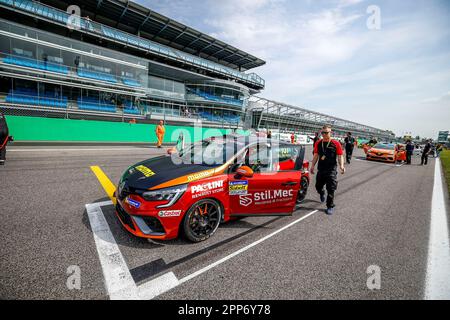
(2, 162)
(330, 211)
(322, 197)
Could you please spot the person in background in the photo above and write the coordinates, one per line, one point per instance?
(328, 153)
(160, 131)
(409, 151)
(269, 134)
(88, 22)
(76, 63)
(292, 138)
(316, 138)
(4, 138)
(349, 144)
(438, 150)
(426, 152)
(45, 59)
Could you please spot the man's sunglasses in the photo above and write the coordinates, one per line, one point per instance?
(326, 132)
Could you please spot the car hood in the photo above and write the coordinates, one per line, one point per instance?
(384, 151)
(162, 170)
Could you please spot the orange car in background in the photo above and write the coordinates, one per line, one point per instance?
(386, 152)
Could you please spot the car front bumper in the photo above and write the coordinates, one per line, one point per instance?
(384, 158)
(145, 222)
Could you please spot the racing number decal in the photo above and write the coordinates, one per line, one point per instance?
(238, 188)
(145, 171)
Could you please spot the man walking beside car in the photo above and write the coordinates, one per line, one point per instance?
(328, 153)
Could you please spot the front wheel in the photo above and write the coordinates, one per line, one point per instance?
(202, 220)
(304, 184)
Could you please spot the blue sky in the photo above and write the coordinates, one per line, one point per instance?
(322, 56)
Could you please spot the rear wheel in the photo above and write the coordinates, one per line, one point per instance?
(304, 184)
(202, 220)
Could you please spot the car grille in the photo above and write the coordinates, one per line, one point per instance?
(125, 217)
(123, 193)
(154, 224)
(124, 190)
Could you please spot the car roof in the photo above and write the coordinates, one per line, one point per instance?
(251, 139)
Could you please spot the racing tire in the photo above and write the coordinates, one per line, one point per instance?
(202, 220)
(304, 184)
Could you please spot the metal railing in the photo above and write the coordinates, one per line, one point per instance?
(277, 115)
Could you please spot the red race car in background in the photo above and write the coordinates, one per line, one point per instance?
(216, 180)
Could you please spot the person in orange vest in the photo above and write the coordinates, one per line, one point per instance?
(160, 131)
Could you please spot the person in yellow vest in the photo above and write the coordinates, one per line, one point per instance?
(160, 131)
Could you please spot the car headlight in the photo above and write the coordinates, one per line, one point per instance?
(169, 194)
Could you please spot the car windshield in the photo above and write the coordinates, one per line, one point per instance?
(211, 152)
(384, 146)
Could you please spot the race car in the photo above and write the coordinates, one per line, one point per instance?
(386, 152)
(211, 181)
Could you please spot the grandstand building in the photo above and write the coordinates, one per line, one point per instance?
(114, 60)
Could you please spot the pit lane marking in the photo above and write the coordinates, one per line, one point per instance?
(118, 279)
(215, 264)
(106, 183)
(437, 284)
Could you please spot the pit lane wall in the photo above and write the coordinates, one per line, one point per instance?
(66, 130)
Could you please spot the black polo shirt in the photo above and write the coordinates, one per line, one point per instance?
(328, 153)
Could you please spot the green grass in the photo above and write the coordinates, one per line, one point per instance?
(445, 158)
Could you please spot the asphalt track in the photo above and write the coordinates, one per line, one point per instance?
(382, 219)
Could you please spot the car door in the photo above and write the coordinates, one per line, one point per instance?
(271, 190)
(401, 153)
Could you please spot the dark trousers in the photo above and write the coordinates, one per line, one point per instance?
(328, 179)
(424, 158)
(408, 157)
(349, 153)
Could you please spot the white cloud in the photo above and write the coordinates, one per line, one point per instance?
(321, 55)
(445, 98)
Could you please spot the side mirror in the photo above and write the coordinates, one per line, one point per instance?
(245, 171)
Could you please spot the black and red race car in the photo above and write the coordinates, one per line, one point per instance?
(212, 181)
